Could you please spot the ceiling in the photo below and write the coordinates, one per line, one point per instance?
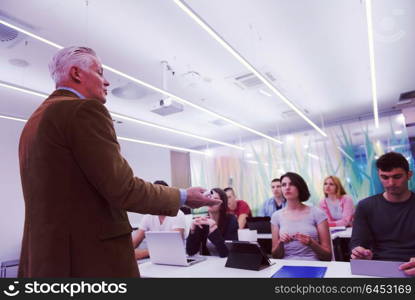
(316, 50)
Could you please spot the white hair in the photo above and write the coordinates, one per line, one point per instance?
(68, 57)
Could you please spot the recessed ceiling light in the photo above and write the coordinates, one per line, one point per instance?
(18, 62)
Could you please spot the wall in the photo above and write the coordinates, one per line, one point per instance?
(149, 163)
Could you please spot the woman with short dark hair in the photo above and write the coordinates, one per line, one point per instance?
(208, 234)
(299, 231)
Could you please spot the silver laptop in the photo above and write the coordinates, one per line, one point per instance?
(377, 268)
(167, 248)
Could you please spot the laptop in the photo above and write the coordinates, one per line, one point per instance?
(167, 248)
(260, 224)
(378, 268)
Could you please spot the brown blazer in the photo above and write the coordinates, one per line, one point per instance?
(77, 188)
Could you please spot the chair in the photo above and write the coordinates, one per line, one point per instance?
(5, 265)
(189, 220)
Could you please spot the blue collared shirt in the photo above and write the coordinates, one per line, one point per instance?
(183, 192)
(71, 90)
(183, 196)
(270, 206)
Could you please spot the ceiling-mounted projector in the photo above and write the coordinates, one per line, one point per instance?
(167, 107)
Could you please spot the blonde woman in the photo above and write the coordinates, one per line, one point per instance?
(337, 205)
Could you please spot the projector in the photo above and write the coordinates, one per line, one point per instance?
(167, 107)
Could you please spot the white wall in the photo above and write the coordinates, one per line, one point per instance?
(149, 163)
(11, 199)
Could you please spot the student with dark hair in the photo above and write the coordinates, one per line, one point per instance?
(156, 223)
(208, 234)
(299, 231)
(274, 203)
(184, 209)
(239, 208)
(384, 226)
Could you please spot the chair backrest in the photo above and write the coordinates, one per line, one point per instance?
(246, 235)
(9, 268)
(189, 220)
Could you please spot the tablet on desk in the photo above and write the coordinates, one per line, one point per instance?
(378, 268)
(246, 255)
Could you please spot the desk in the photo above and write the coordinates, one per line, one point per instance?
(214, 267)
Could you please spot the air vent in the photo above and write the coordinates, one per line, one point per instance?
(249, 80)
(7, 34)
(406, 98)
(167, 107)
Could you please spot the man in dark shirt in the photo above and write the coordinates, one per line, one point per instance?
(384, 226)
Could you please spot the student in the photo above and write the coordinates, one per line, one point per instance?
(239, 208)
(384, 226)
(299, 231)
(156, 223)
(186, 210)
(337, 205)
(208, 234)
(274, 203)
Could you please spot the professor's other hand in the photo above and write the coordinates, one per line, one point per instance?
(196, 199)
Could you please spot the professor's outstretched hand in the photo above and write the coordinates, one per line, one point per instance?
(196, 198)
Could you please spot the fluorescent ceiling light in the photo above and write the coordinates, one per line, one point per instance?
(42, 95)
(244, 62)
(162, 145)
(398, 131)
(372, 61)
(23, 90)
(115, 115)
(152, 87)
(345, 154)
(13, 118)
(129, 140)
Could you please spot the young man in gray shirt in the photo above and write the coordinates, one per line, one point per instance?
(384, 227)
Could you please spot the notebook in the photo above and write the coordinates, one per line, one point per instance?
(167, 248)
(378, 268)
(300, 272)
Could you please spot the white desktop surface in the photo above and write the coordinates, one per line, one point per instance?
(214, 267)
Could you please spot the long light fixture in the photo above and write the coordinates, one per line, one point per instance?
(161, 145)
(152, 87)
(141, 122)
(372, 60)
(115, 115)
(128, 139)
(23, 90)
(244, 62)
(13, 118)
